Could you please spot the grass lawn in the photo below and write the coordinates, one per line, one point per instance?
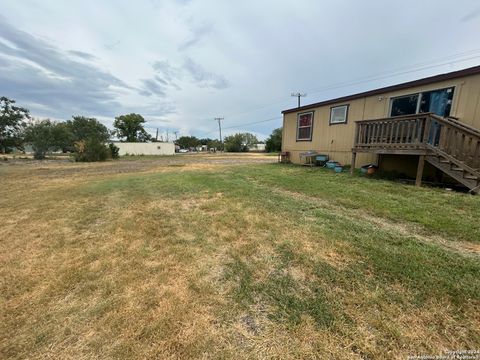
(232, 257)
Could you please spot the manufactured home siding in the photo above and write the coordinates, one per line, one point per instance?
(337, 140)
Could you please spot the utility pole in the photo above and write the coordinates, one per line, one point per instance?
(219, 119)
(176, 135)
(298, 95)
(156, 136)
(167, 135)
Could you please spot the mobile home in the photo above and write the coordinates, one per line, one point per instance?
(428, 127)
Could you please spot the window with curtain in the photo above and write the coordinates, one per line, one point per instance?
(304, 126)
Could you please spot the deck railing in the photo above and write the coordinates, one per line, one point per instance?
(401, 132)
(420, 133)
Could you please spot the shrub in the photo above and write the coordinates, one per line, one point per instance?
(91, 150)
(113, 151)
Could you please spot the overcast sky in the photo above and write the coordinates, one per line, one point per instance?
(180, 63)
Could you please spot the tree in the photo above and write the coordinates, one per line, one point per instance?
(131, 127)
(214, 144)
(274, 141)
(45, 136)
(83, 128)
(187, 142)
(239, 142)
(234, 143)
(210, 143)
(63, 136)
(12, 124)
(42, 136)
(249, 139)
(89, 139)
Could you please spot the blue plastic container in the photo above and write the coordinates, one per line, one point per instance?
(338, 169)
(331, 164)
(321, 158)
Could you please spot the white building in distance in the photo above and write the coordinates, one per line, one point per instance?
(151, 148)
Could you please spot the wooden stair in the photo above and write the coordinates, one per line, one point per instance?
(454, 148)
(448, 144)
(463, 174)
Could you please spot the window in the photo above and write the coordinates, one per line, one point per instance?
(304, 126)
(338, 114)
(436, 101)
(404, 105)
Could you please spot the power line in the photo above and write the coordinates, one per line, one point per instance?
(253, 123)
(386, 75)
(393, 72)
(246, 124)
(368, 79)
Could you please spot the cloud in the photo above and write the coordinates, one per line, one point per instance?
(83, 55)
(35, 71)
(160, 80)
(204, 78)
(157, 110)
(251, 61)
(168, 72)
(196, 36)
(111, 46)
(170, 75)
(166, 76)
(471, 15)
(152, 87)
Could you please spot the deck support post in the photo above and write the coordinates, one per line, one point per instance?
(354, 157)
(421, 163)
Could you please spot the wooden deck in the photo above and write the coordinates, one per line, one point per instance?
(446, 143)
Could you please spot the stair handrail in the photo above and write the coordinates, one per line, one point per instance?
(454, 160)
(457, 124)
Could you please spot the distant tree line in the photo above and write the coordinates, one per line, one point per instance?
(89, 140)
(240, 142)
(85, 137)
(192, 142)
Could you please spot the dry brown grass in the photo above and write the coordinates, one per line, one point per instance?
(103, 261)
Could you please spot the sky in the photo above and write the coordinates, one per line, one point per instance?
(182, 63)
